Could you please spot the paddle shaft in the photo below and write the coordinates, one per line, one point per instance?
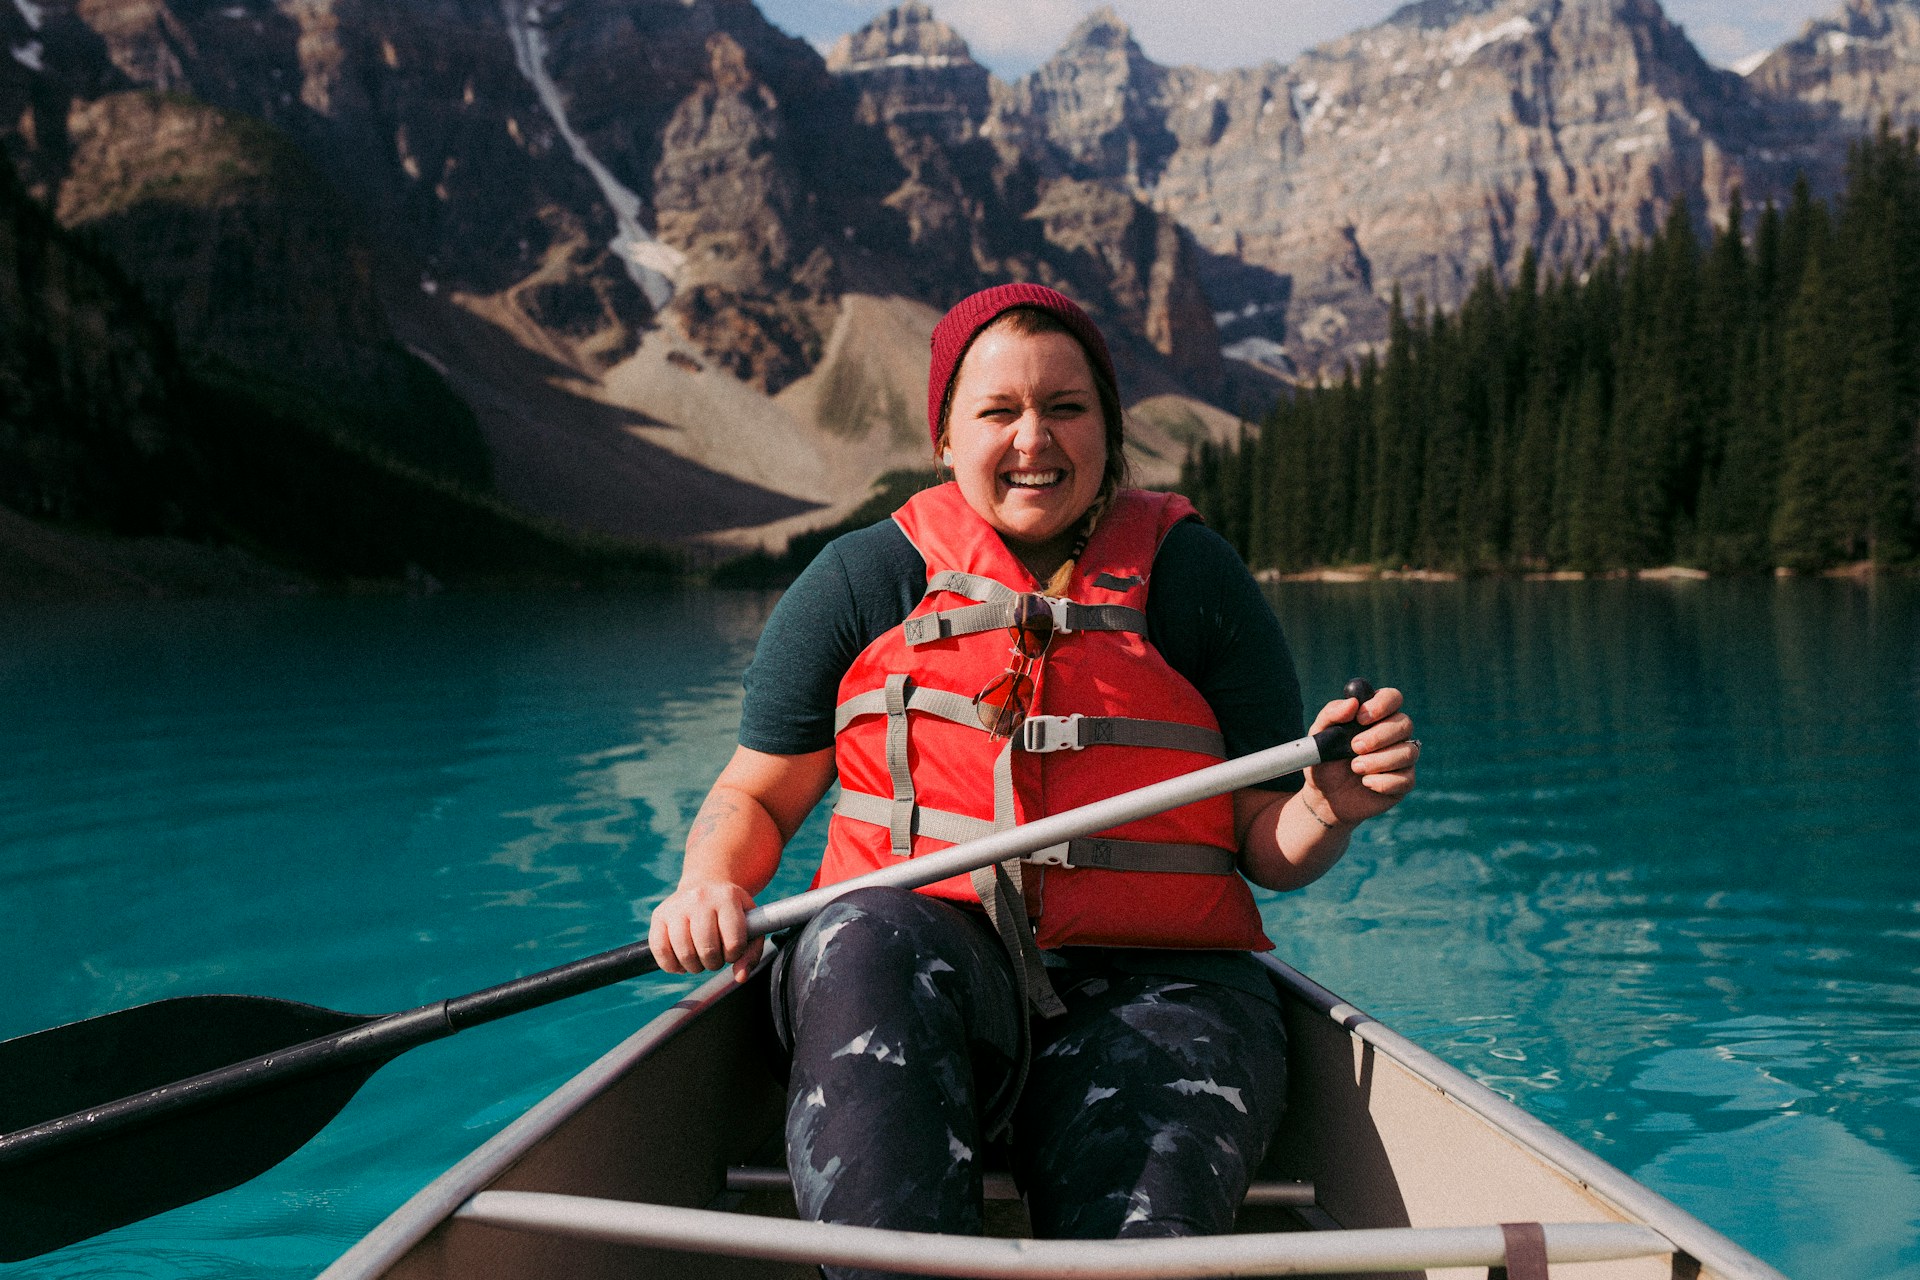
(387, 1037)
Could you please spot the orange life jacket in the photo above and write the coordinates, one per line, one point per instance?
(918, 772)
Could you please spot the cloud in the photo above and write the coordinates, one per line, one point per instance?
(1722, 43)
(1013, 39)
(1725, 31)
(1241, 33)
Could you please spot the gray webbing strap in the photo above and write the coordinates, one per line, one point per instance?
(1005, 905)
(935, 824)
(1070, 617)
(974, 618)
(1005, 901)
(1141, 855)
(971, 585)
(933, 702)
(1042, 734)
(1091, 851)
(900, 820)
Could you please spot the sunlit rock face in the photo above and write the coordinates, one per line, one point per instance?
(983, 200)
(1411, 155)
(1855, 69)
(583, 175)
(1101, 103)
(913, 70)
(578, 178)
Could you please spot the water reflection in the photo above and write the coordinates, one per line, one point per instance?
(1660, 883)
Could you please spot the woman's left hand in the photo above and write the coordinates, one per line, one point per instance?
(1348, 792)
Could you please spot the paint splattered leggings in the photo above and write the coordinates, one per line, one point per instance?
(1146, 1111)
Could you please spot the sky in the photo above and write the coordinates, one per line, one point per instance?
(1013, 36)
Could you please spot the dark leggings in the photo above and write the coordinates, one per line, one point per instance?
(1146, 1110)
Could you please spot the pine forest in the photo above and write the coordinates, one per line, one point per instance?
(1740, 402)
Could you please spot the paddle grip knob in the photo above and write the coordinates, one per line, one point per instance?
(1336, 741)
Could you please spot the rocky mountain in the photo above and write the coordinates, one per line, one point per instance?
(1854, 69)
(631, 234)
(1452, 138)
(681, 267)
(126, 470)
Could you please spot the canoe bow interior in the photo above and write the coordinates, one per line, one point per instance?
(662, 1118)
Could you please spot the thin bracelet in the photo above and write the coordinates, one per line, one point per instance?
(1331, 826)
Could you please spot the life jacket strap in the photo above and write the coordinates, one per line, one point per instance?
(1041, 734)
(1090, 851)
(973, 586)
(935, 824)
(1002, 893)
(1068, 616)
(900, 816)
(934, 702)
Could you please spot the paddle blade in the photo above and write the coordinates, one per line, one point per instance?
(80, 1190)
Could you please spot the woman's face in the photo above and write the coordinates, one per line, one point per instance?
(1029, 444)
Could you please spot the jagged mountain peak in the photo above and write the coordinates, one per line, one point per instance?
(913, 70)
(907, 35)
(1860, 19)
(1102, 30)
(1423, 14)
(1855, 68)
(1102, 47)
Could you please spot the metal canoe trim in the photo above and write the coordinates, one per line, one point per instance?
(1000, 1186)
(436, 1202)
(990, 1258)
(1630, 1197)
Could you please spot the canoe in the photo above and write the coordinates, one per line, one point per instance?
(664, 1159)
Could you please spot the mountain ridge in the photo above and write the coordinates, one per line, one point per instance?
(690, 225)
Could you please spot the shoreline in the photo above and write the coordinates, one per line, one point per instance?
(1858, 571)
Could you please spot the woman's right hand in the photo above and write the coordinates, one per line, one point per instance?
(733, 848)
(703, 925)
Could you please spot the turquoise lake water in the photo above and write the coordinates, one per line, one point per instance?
(1660, 885)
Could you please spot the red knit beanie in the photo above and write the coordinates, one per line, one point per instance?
(960, 326)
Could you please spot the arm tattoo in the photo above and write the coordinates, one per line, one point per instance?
(713, 813)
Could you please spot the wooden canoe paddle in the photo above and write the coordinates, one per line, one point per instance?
(115, 1118)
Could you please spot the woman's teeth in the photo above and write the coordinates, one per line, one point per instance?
(1033, 479)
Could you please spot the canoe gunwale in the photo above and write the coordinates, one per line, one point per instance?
(1632, 1199)
(1309, 1253)
(436, 1202)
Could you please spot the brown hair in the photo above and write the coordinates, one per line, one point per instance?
(1031, 322)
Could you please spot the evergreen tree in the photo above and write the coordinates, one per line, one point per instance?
(1752, 402)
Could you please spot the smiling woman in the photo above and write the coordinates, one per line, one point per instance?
(1025, 413)
(1096, 1000)
(1026, 445)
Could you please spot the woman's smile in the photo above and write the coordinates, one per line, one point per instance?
(1027, 437)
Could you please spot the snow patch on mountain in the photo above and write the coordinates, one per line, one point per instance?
(652, 264)
(1472, 42)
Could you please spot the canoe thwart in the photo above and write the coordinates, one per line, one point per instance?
(999, 1186)
(988, 1258)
